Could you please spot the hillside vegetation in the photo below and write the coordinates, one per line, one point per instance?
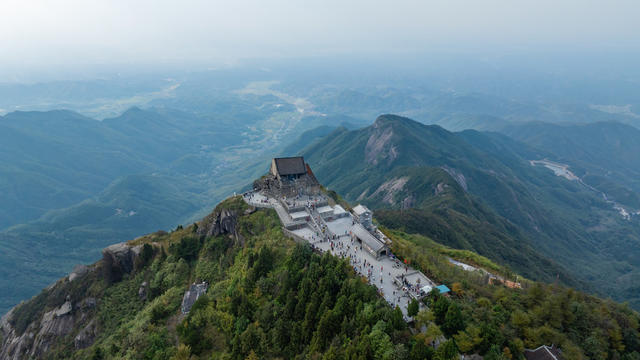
(478, 191)
(269, 298)
(603, 154)
(71, 185)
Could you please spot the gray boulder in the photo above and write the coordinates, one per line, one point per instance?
(192, 295)
(118, 260)
(142, 291)
(218, 222)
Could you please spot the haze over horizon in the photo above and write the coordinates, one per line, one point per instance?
(72, 36)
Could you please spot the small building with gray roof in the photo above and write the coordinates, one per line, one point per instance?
(369, 242)
(364, 216)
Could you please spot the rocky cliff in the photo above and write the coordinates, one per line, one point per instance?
(65, 309)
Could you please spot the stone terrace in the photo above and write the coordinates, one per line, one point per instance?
(396, 282)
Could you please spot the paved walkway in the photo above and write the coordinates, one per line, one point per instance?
(396, 282)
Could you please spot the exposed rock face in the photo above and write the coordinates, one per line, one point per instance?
(457, 176)
(379, 146)
(191, 295)
(86, 336)
(218, 222)
(119, 259)
(142, 291)
(408, 202)
(390, 188)
(14, 346)
(88, 303)
(78, 271)
(59, 323)
(40, 335)
(55, 323)
(440, 188)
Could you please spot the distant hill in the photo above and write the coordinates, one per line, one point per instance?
(478, 191)
(69, 185)
(603, 154)
(55, 159)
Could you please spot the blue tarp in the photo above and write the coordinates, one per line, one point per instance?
(443, 289)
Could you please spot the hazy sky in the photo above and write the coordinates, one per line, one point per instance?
(36, 33)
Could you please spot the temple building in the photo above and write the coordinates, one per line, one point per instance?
(289, 168)
(288, 177)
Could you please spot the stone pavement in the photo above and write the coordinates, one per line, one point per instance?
(396, 282)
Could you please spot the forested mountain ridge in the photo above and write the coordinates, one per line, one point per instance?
(55, 159)
(604, 154)
(70, 185)
(269, 298)
(570, 229)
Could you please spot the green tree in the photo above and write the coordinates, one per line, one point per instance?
(97, 354)
(433, 333)
(446, 351)
(464, 342)
(494, 353)
(184, 353)
(424, 317)
(380, 342)
(520, 320)
(421, 351)
(440, 309)
(413, 308)
(453, 321)
(397, 320)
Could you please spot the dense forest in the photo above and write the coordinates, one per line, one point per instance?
(270, 298)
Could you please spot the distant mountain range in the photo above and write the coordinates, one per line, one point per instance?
(72, 185)
(603, 154)
(479, 191)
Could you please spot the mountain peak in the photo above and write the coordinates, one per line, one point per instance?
(390, 119)
(133, 110)
(20, 115)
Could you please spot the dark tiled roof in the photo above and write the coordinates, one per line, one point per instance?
(543, 353)
(366, 237)
(290, 166)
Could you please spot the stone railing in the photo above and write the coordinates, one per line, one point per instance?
(294, 236)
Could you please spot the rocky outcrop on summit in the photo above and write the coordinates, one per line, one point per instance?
(118, 260)
(218, 222)
(78, 271)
